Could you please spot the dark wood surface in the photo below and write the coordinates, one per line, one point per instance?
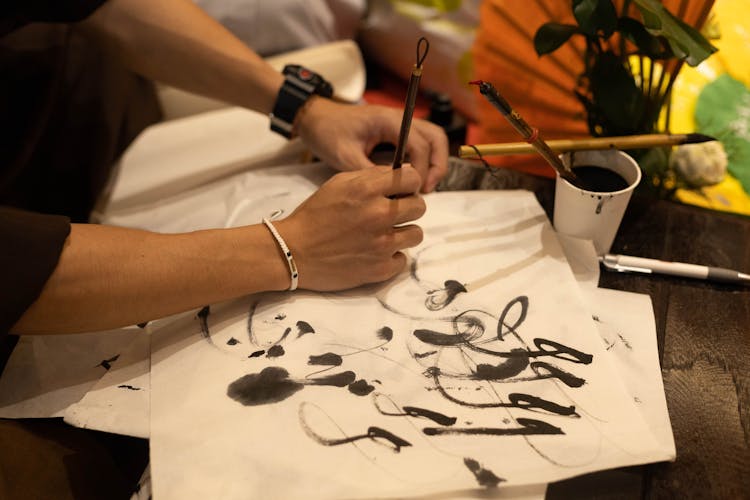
(703, 331)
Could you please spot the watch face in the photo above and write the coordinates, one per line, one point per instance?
(305, 74)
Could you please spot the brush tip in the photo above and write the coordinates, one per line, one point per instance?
(696, 138)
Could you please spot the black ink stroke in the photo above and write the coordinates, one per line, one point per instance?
(546, 370)
(523, 300)
(411, 411)
(517, 400)
(342, 379)
(303, 328)
(233, 341)
(439, 299)
(275, 351)
(330, 359)
(360, 388)
(203, 319)
(528, 427)
(257, 354)
(327, 359)
(273, 384)
(130, 387)
(466, 328)
(385, 333)
(375, 434)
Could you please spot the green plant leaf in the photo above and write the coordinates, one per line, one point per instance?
(723, 111)
(648, 44)
(550, 36)
(684, 40)
(616, 96)
(594, 16)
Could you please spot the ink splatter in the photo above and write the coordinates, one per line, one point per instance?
(303, 327)
(280, 317)
(107, 363)
(327, 359)
(275, 351)
(257, 354)
(271, 385)
(485, 477)
(126, 386)
(438, 299)
(233, 341)
(361, 388)
(142, 325)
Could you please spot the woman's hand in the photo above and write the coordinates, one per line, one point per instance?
(352, 230)
(343, 135)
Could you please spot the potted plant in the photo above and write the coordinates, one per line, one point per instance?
(630, 65)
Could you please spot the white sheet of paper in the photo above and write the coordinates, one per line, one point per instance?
(626, 324)
(582, 258)
(237, 200)
(47, 373)
(119, 401)
(206, 443)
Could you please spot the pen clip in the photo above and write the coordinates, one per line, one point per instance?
(622, 269)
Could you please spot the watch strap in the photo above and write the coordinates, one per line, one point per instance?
(299, 84)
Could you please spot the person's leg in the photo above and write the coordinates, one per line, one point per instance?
(47, 458)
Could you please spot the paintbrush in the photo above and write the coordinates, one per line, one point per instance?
(565, 145)
(411, 100)
(530, 134)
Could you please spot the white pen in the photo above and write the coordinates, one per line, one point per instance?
(626, 263)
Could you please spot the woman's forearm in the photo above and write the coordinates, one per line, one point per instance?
(109, 277)
(175, 42)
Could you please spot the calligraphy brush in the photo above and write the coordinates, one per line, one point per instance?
(411, 100)
(565, 145)
(530, 134)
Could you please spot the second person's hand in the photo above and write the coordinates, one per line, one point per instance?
(343, 135)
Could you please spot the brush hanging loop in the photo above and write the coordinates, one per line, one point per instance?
(422, 56)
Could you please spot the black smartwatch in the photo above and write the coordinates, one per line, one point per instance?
(299, 84)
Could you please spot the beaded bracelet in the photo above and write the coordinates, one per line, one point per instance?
(287, 253)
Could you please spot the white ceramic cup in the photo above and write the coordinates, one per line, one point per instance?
(594, 215)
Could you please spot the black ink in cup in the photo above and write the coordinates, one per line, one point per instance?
(598, 179)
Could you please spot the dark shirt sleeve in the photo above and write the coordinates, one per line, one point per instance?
(17, 13)
(31, 246)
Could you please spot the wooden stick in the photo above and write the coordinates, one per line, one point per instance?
(564, 145)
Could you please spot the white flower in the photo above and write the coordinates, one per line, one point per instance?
(701, 164)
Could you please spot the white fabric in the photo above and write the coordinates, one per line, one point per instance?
(285, 25)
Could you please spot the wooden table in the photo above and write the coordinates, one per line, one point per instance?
(703, 334)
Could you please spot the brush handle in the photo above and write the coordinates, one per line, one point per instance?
(527, 132)
(411, 100)
(584, 144)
